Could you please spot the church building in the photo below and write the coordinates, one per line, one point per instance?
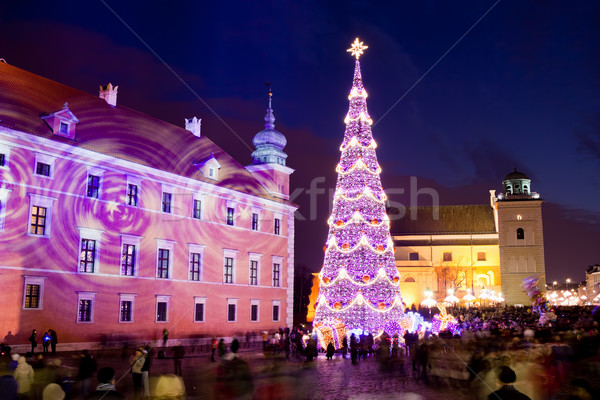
(115, 225)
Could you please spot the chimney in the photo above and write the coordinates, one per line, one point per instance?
(109, 94)
(193, 125)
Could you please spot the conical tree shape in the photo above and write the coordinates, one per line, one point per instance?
(359, 282)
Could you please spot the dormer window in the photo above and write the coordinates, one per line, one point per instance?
(209, 167)
(212, 173)
(62, 122)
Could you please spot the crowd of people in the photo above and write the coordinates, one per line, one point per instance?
(490, 350)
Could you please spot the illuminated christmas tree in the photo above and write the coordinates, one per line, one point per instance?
(359, 282)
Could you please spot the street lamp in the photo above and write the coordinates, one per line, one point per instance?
(568, 281)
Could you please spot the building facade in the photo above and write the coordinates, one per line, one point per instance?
(115, 225)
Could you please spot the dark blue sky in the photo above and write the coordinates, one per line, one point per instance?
(521, 89)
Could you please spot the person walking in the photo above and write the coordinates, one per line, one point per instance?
(53, 340)
(178, 354)
(507, 378)
(213, 344)
(165, 336)
(46, 342)
(146, 370)
(24, 376)
(87, 369)
(33, 341)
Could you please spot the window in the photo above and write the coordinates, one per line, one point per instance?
(409, 279)
(228, 271)
(40, 215)
(254, 307)
(64, 128)
(253, 272)
(230, 215)
(126, 307)
(276, 271)
(166, 202)
(85, 307)
(128, 260)
(276, 310)
(93, 186)
(33, 292)
(277, 226)
(212, 172)
(413, 256)
(87, 255)
(232, 310)
(481, 256)
(130, 246)
(132, 195)
(447, 256)
(195, 263)
(197, 212)
(44, 165)
(520, 234)
(199, 308)
(162, 308)
(254, 221)
(42, 169)
(2, 160)
(89, 249)
(164, 258)
(163, 264)
(38, 221)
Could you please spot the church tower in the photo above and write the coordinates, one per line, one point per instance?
(518, 214)
(269, 159)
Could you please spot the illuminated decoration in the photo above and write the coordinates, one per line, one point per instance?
(451, 298)
(331, 331)
(443, 321)
(538, 298)
(364, 290)
(429, 301)
(468, 298)
(357, 49)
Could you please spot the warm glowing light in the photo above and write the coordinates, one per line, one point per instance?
(357, 49)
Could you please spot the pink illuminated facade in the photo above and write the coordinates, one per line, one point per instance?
(116, 225)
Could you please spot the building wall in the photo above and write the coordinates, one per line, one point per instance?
(520, 258)
(52, 260)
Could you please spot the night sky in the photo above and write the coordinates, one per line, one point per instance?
(461, 92)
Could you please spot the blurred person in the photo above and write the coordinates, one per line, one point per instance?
(106, 386)
(24, 376)
(165, 336)
(12, 365)
(146, 369)
(137, 362)
(46, 342)
(87, 369)
(178, 354)
(330, 351)
(8, 387)
(213, 348)
(221, 348)
(506, 378)
(33, 340)
(53, 391)
(167, 387)
(53, 340)
(234, 380)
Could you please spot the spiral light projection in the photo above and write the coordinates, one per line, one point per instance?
(359, 282)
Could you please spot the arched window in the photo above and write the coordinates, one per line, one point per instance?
(409, 279)
(520, 234)
(508, 189)
(525, 189)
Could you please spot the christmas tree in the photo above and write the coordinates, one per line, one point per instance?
(359, 282)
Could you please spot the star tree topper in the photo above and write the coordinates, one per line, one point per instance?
(357, 48)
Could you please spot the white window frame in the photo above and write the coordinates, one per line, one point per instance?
(254, 257)
(95, 171)
(34, 280)
(200, 197)
(38, 200)
(229, 253)
(167, 189)
(276, 303)
(200, 300)
(127, 297)
(255, 302)
(162, 299)
(278, 216)
(45, 159)
(86, 296)
(3, 202)
(4, 149)
(137, 181)
(277, 260)
(166, 245)
(90, 234)
(231, 204)
(230, 302)
(196, 248)
(134, 241)
(258, 211)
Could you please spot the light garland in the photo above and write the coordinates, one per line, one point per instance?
(356, 92)
(360, 164)
(366, 192)
(343, 274)
(380, 249)
(357, 218)
(362, 117)
(361, 301)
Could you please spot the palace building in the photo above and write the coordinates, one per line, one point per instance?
(114, 224)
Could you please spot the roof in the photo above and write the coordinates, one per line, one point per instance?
(118, 132)
(515, 175)
(467, 219)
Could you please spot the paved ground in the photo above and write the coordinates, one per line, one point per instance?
(295, 379)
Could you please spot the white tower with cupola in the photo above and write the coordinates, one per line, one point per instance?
(518, 214)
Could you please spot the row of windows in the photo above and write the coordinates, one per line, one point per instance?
(447, 256)
(86, 303)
